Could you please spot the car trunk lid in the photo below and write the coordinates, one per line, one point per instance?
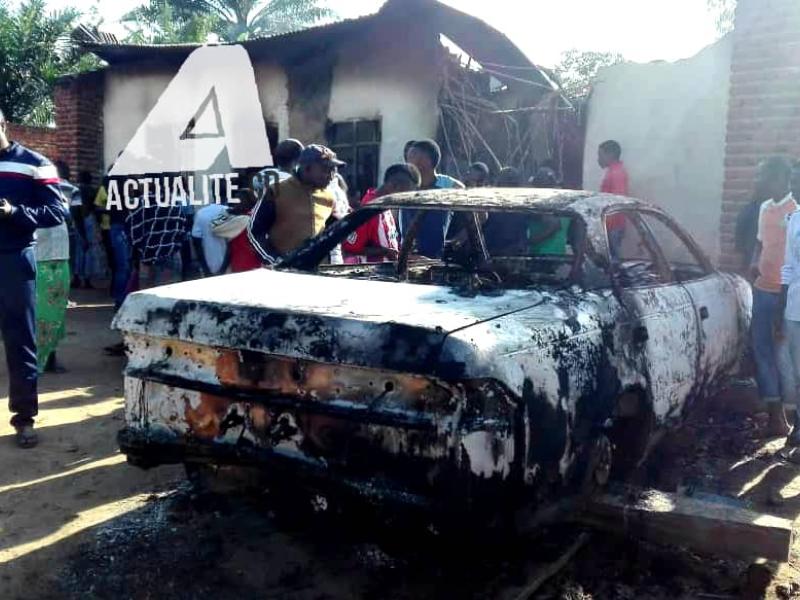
(375, 324)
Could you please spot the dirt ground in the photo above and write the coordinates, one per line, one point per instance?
(77, 522)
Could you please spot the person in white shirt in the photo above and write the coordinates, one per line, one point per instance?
(341, 208)
(788, 325)
(210, 248)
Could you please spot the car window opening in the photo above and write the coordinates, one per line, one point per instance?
(483, 249)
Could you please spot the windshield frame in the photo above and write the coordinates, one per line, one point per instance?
(311, 255)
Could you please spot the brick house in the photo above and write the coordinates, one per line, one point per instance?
(764, 104)
(363, 86)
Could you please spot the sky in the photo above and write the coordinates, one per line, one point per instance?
(640, 30)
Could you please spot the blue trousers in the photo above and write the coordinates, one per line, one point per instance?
(766, 306)
(789, 366)
(18, 327)
(122, 263)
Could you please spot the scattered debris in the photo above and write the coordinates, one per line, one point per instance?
(549, 570)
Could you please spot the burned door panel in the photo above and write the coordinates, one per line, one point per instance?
(662, 333)
(717, 307)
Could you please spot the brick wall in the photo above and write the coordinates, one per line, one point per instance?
(41, 139)
(764, 106)
(77, 138)
(79, 121)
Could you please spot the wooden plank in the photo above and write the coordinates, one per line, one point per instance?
(707, 527)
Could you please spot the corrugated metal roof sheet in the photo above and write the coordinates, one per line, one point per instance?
(115, 52)
(486, 44)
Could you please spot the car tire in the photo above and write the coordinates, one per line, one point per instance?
(598, 465)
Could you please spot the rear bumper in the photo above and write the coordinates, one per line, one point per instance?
(146, 450)
(385, 436)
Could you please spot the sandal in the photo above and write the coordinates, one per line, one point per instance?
(26, 437)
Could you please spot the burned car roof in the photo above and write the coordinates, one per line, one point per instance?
(577, 201)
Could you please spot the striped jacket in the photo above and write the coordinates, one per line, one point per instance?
(30, 184)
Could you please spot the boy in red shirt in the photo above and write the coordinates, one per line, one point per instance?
(232, 226)
(377, 239)
(615, 181)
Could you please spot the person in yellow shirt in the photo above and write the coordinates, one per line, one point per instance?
(104, 219)
(296, 209)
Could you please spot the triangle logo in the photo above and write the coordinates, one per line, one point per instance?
(206, 124)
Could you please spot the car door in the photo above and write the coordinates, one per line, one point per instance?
(713, 295)
(659, 328)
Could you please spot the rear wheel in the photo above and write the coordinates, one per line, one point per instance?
(601, 461)
(597, 462)
(631, 435)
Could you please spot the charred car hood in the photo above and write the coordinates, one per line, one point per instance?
(366, 323)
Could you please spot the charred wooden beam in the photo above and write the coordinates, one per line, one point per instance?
(704, 526)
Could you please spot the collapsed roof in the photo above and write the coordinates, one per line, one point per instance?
(486, 44)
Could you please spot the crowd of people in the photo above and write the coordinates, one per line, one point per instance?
(55, 235)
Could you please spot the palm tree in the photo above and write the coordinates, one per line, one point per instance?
(34, 52)
(236, 20)
(160, 23)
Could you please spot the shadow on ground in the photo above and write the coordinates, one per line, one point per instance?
(77, 522)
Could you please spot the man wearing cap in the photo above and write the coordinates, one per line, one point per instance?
(29, 199)
(297, 208)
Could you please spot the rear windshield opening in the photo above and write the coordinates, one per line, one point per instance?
(510, 249)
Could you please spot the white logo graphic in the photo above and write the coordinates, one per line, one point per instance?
(211, 105)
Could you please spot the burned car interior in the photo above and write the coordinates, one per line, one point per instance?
(491, 249)
(647, 250)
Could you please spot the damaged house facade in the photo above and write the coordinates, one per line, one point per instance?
(416, 69)
(694, 131)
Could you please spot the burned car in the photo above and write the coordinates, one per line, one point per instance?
(559, 335)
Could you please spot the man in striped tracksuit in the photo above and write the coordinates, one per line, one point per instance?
(29, 199)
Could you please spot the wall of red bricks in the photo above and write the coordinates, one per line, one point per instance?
(79, 122)
(43, 140)
(764, 106)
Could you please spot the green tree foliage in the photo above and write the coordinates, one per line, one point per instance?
(577, 71)
(724, 11)
(160, 23)
(35, 50)
(231, 20)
